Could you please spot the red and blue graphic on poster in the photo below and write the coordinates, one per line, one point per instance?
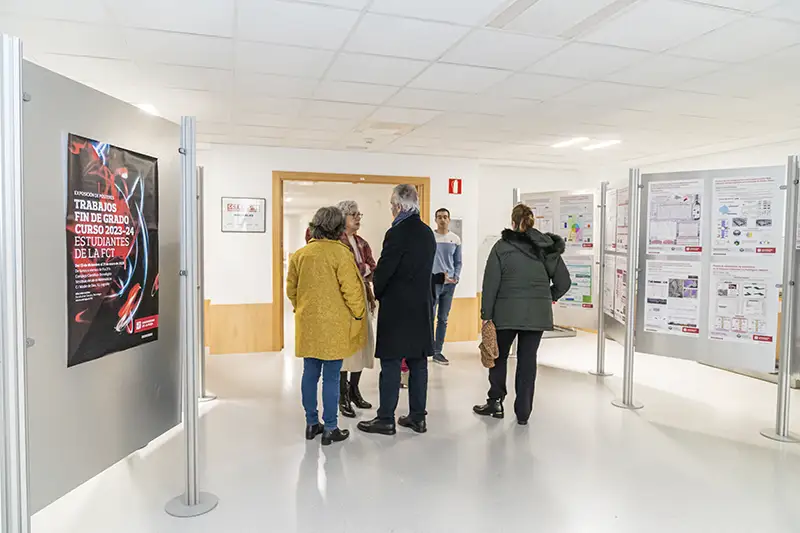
(112, 249)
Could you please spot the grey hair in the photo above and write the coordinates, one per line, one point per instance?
(404, 197)
(348, 207)
(328, 223)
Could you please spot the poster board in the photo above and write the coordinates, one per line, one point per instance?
(722, 271)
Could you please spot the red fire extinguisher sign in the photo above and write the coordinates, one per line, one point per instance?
(455, 185)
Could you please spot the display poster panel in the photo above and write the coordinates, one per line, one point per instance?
(542, 207)
(112, 249)
(672, 300)
(609, 280)
(244, 215)
(744, 303)
(745, 215)
(674, 217)
(580, 293)
(623, 197)
(576, 215)
(611, 220)
(621, 289)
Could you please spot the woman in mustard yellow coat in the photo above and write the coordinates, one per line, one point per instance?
(327, 294)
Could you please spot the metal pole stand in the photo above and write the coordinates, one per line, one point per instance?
(780, 432)
(634, 206)
(201, 295)
(516, 199)
(14, 506)
(192, 502)
(600, 370)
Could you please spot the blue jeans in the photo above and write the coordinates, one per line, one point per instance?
(312, 369)
(443, 299)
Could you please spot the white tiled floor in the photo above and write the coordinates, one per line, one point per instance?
(691, 462)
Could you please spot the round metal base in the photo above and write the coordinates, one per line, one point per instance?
(177, 506)
(773, 435)
(622, 405)
(600, 374)
(207, 398)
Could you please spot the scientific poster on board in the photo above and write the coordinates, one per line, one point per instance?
(609, 280)
(112, 249)
(611, 220)
(674, 217)
(672, 299)
(746, 217)
(542, 207)
(621, 288)
(623, 197)
(744, 303)
(580, 293)
(576, 214)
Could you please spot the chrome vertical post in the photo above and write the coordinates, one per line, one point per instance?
(600, 370)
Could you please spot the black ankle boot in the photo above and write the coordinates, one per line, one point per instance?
(337, 435)
(345, 407)
(358, 400)
(493, 408)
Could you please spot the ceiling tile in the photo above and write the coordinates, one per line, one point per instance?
(359, 93)
(609, 95)
(657, 25)
(215, 128)
(85, 11)
(67, 38)
(554, 17)
(745, 81)
(261, 131)
(588, 61)
(689, 103)
(214, 18)
(274, 106)
(741, 41)
(274, 85)
(470, 12)
(374, 69)
(458, 78)
(499, 49)
(181, 49)
(433, 100)
(314, 26)
(403, 116)
(249, 118)
(535, 86)
(277, 59)
(663, 71)
(751, 6)
(496, 105)
(349, 4)
(204, 79)
(325, 123)
(338, 110)
(204, 105)
(101, 73)
(393, 36)
(316, 135)
(786, 10)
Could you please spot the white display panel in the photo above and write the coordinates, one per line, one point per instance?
(611, 220)
(609, 281)
(621, 288)
(744, 304)
(674, 217)
(581, 292)
(623, 196)
(542, 207)
(672, 299)
(576, 220)
(745, 220)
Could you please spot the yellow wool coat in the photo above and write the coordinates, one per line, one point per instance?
(328, 297)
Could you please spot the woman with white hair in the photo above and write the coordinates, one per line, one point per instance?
(350, 394)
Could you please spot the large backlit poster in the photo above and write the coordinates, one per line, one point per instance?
(112, 249)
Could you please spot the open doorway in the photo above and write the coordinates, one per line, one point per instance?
(297, 196)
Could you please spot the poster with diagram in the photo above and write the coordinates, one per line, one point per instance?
(543, 213)
(746, 216)
(609, 280)
(611, 220)
(744, 303)
(623, 197)
(580, 293)
(621, 288)
(674, 217)
(672, 299)
(576, 219)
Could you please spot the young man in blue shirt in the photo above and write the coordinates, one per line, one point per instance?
(447, 262)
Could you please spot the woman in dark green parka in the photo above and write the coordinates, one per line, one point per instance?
(525, 275)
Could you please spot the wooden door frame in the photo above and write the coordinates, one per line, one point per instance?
(423, 185)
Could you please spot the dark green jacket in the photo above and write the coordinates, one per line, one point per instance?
(524, 276)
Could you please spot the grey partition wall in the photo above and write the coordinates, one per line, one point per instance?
(85, 418)
(729, 354)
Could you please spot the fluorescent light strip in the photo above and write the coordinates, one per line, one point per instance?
(603, 144)
(576, 140)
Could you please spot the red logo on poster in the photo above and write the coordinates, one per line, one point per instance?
(765, 250)
(146, 324)
(762, 338)
(587, 306)
(588, 245)
(455, 186)
(691, 330)
(696, 249)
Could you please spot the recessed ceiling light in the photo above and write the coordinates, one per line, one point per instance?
(571, 142)
(148, 108)
(601, 144)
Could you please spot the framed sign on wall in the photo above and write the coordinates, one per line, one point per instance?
(244, 215)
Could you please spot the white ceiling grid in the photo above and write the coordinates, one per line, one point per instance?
(484, 79)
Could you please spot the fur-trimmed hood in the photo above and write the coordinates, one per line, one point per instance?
(548, 243)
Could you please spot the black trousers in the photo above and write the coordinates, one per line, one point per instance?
(527, 351)
(390, 388)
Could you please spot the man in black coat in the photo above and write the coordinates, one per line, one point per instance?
(402, 283)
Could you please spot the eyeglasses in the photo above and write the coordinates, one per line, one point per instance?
(357, 215)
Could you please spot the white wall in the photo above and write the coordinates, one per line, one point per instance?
(239, 266)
